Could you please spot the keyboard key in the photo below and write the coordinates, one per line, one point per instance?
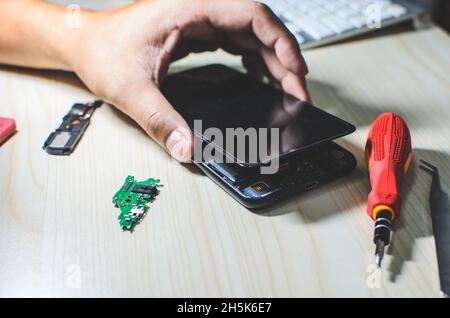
(336, 24)
(313, 28)
(333, 6)
(318, 13)
(305, 6)
(291, 16)
(397, 10)
(313, 20)
(346, 13)
(358, 6)
(359, 21)
(292, 27)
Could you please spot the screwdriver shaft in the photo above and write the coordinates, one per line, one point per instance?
(379, 252)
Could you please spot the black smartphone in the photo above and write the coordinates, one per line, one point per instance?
(222, 98)
(301, 173)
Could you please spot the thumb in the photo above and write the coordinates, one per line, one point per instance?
(151, 110)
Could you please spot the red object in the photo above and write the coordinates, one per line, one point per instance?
(388, 156)
(7, 128)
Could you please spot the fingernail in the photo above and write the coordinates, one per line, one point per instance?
(179, 145)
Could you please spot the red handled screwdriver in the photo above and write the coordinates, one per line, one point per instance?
(388, 157)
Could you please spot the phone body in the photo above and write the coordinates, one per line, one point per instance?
(301, 173)
(224, 98)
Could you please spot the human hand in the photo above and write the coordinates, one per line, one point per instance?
(122, 55)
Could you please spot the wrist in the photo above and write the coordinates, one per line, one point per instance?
(68, 40)
(38, 34)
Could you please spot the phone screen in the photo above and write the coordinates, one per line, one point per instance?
(223, 98)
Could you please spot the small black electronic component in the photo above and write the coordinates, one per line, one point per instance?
(65, 138)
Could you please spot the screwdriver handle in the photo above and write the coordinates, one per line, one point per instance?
(388, 157)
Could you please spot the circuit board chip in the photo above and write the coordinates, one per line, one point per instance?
(145, 189)
(132, 199)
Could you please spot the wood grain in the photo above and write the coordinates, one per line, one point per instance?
(57, 220)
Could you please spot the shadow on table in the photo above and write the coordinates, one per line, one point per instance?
(327, 208)
(415, 221)
(9, 137)
(361, 113)
(330, 98)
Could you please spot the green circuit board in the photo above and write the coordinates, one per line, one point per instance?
(132, 199)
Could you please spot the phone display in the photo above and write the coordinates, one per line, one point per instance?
(224, 98)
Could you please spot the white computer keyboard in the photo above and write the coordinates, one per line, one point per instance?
(319, 22)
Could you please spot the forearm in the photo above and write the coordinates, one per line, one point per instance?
(36, 34)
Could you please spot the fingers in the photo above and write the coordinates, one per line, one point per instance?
(252, 27)
(269, 67)
(274, 35)
(290, 82)
(268, 29)
(151, 110)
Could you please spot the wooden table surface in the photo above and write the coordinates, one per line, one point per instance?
(59, 235)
